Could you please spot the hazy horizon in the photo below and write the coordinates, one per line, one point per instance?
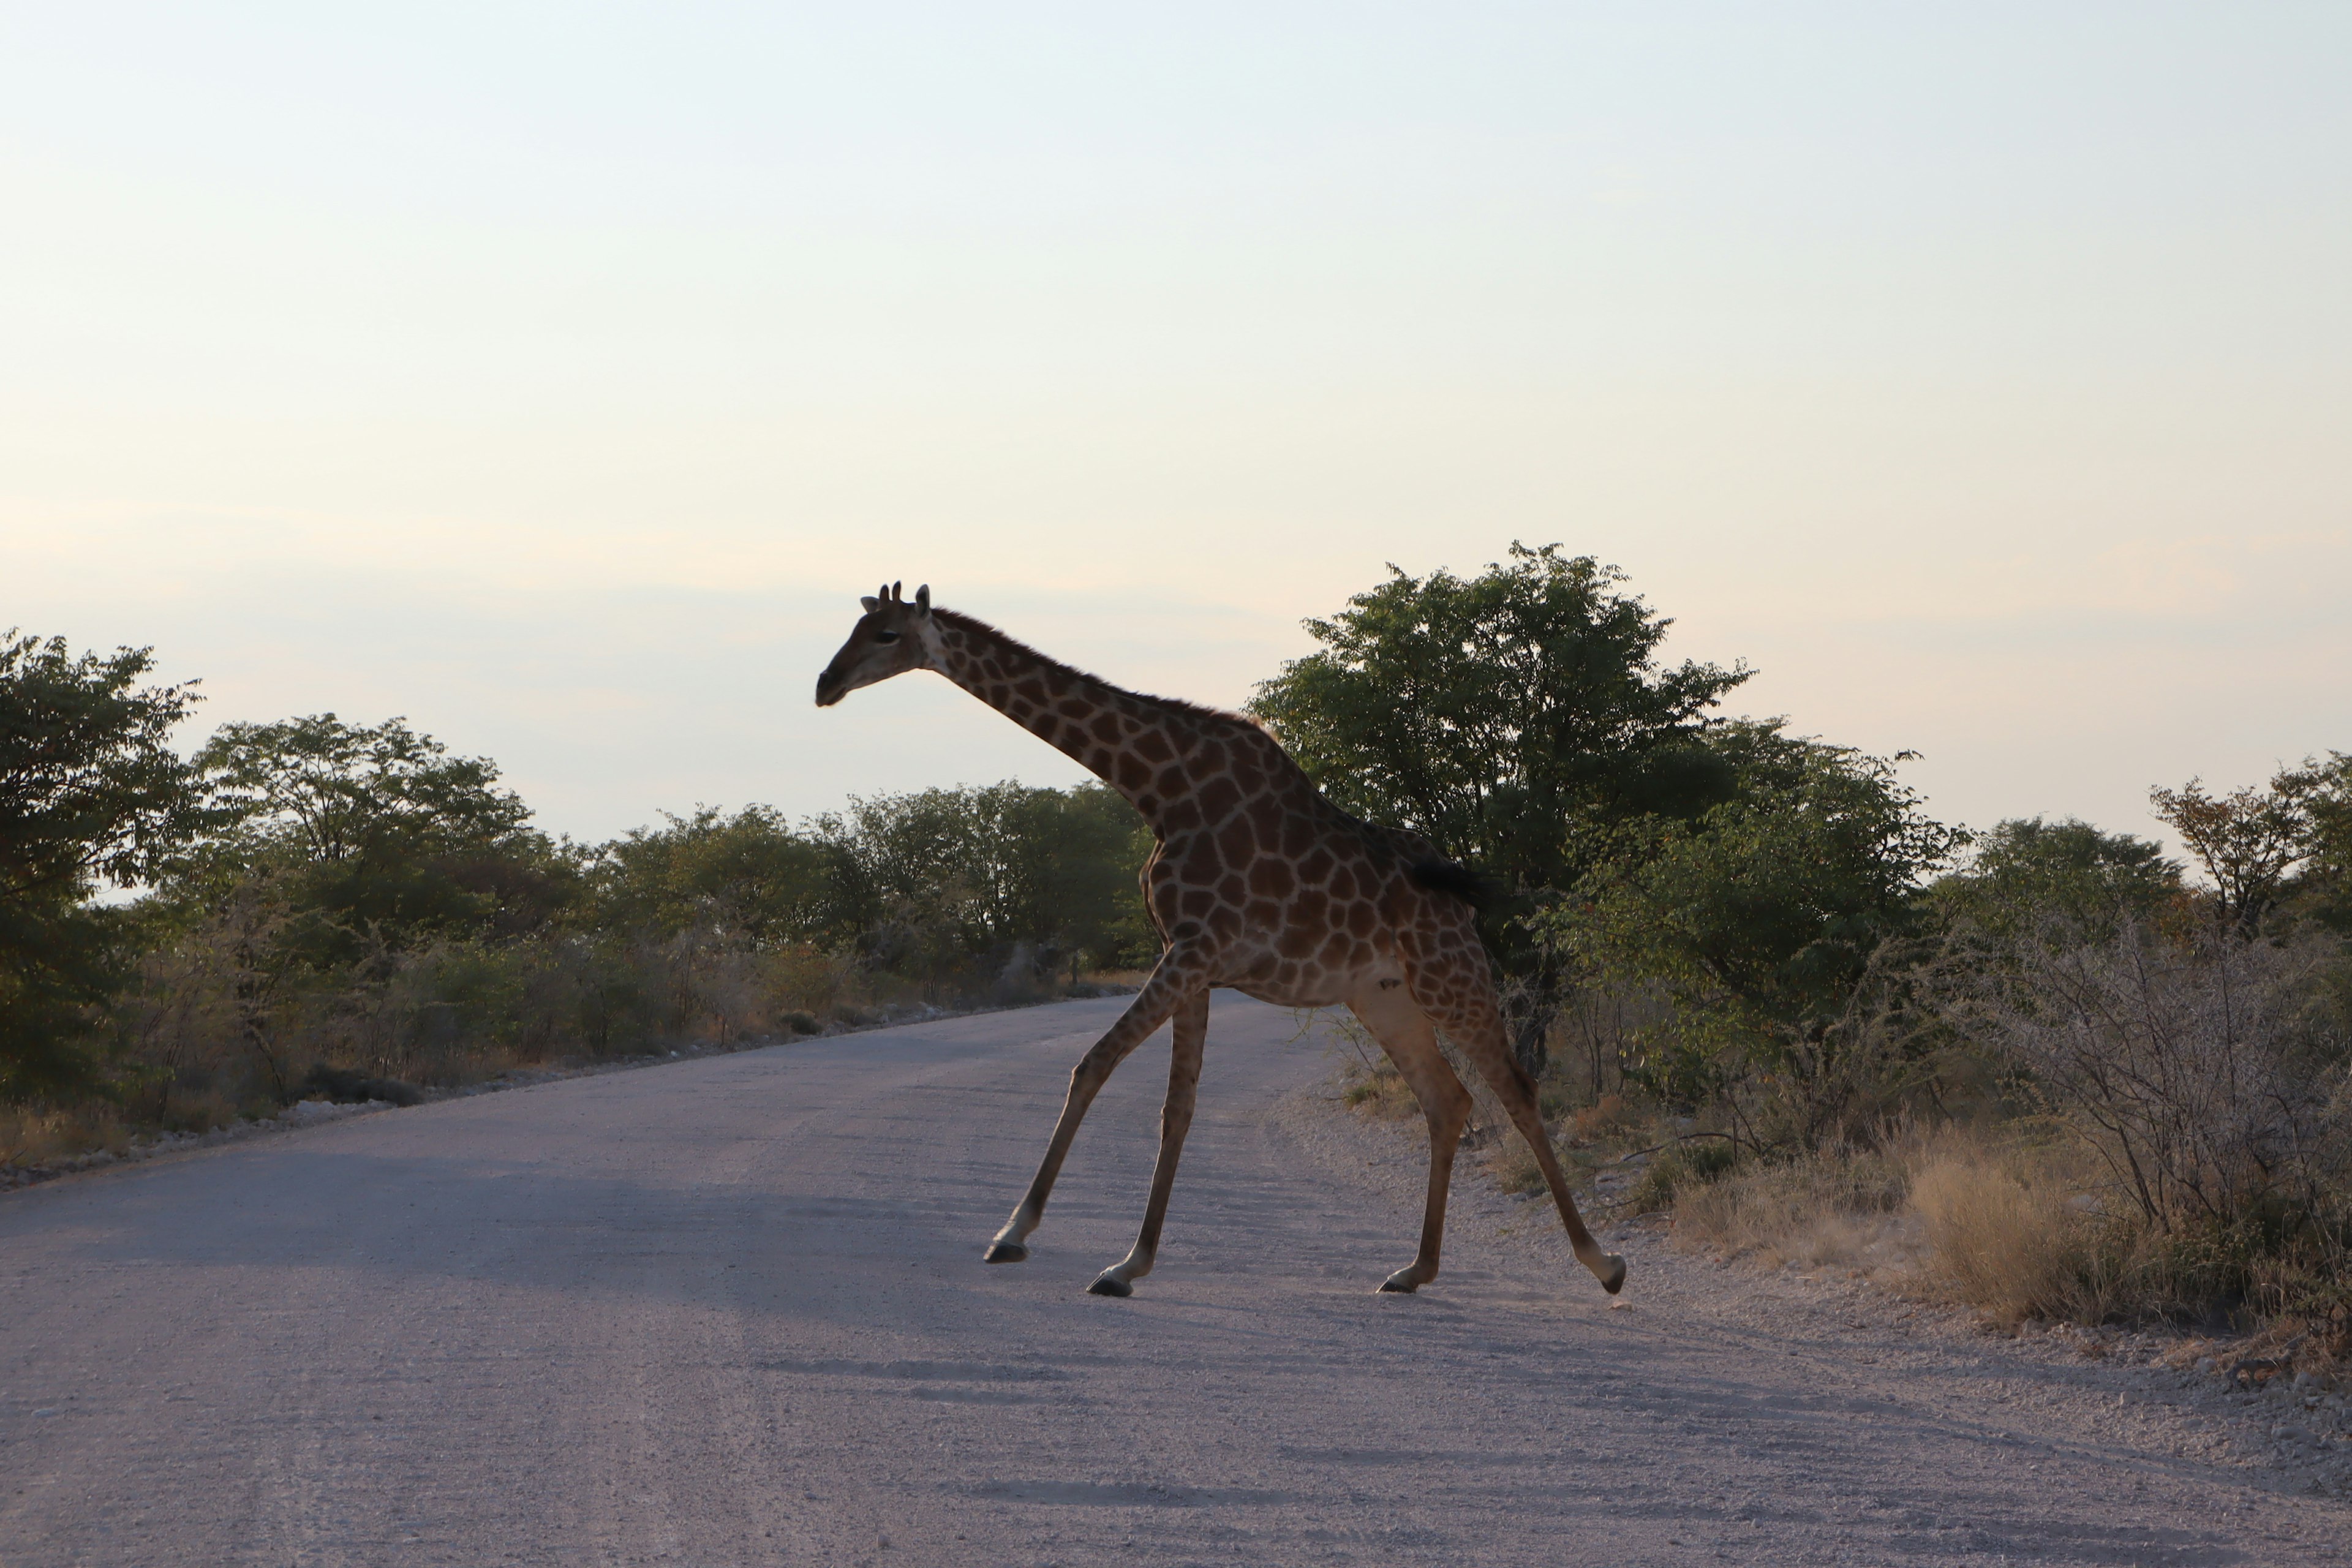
(558, 382)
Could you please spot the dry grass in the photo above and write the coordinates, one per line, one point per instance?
(1827, 1211)
(2015, 1225)
(1512, 1166)
(35, 1137)
(2012, 1231)
(1378, 1091)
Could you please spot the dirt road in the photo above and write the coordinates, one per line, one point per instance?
(731, 1312)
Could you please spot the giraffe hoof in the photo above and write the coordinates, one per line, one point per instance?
(1004, 1252)
(1400, 1283)
(1106, 1285)
(1614, 1280)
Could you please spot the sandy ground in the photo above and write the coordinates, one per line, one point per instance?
(731, 1312)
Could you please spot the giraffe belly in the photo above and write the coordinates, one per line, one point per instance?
(1307, 986)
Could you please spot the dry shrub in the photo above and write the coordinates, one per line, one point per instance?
(1379, 1090)
(32, 1136)
(2192, 1063)
(1835, 1209)
(1606, 1116)
(2006, 1235)
(1512, 1165)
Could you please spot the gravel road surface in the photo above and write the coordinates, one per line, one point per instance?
(732, 1312)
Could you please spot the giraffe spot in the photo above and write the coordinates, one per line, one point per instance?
(1032, 690)
(1361, 917)
(1197, 902)
(1154, 747)
(1131, 773)
(1170, 781)
(1263, 913)
(1219, 796)
(1296, 940)
(1145, 802)
(1343, 883)
(1236, 842)
(1298, 834)
(1231, 889)
(1311, 910)
(1270, 877)
(1317, 867)
(1106, 729)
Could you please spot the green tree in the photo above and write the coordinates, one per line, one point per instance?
(1760, 917)
(2027, 872)
(943, 879)
(90, 791)
(2322, 889)
(380, 832)
(749, 873)
(1494, 714)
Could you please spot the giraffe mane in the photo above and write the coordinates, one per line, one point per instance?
(978, 627)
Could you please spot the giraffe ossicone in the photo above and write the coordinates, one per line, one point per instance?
(1256, 882)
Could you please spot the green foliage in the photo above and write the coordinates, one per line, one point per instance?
(1035, 876)
(2028, 873)
(1505, 717)
(2321, 891)
(749, 873)
(2250, 841)
(1760, 918)
(90, 786)
(1488, 712)
(90, 790)
(378, 831)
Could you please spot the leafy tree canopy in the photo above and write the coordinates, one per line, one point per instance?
(2026, 871)
(90, 790)
(378, 830)
(1761, 916)
(749, 873)
(978, 869)
(1486, 712)
(90, 786)
(2289, 842)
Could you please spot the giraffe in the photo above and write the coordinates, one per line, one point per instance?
(1256, 882)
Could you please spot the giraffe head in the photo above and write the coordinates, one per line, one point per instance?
(894, 634)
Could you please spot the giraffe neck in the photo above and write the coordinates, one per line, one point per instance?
(1125, 739)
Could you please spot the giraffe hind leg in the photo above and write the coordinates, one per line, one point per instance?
(1471, 1019)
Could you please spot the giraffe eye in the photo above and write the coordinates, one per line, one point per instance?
(885, 637)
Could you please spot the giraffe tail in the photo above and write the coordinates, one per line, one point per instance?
(1452, 878)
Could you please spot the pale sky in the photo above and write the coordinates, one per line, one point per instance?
(557, 376)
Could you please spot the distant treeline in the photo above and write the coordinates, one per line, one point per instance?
(315, 893)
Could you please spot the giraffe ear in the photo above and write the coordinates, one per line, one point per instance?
(871, 604)
(923, 598)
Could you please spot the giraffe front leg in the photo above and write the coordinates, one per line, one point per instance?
(1170, 978)
(1175, 1120)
